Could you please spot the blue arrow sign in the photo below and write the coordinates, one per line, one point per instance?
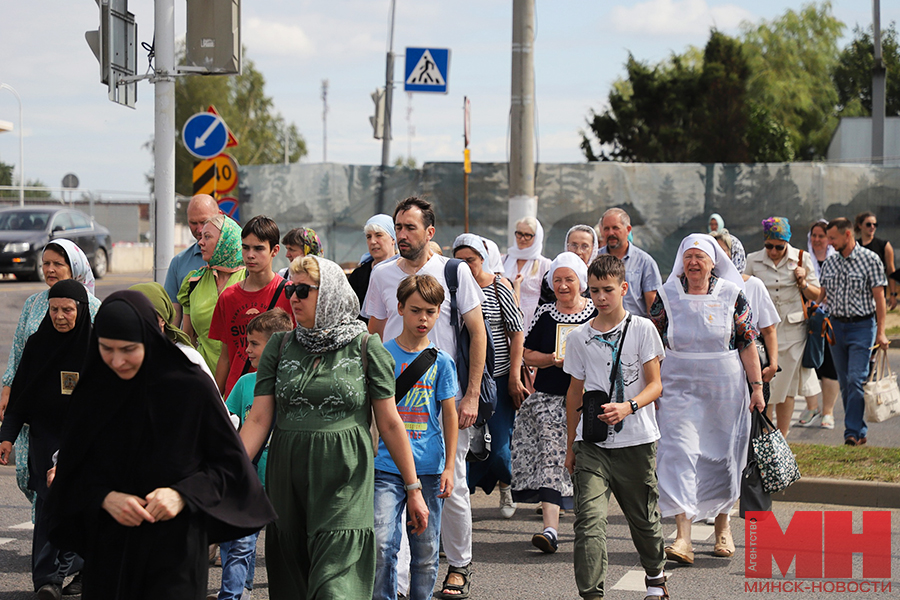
(204, 135)
(427, 70)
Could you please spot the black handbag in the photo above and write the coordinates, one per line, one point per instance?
(753, 496)
(592, 428)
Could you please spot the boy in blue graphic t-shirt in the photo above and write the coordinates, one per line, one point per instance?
(430, 401)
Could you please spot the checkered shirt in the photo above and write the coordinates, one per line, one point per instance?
(849, 281)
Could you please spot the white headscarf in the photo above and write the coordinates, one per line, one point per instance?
(586, 229)
(475, 242)
(532, 252)
(78, 261)
(495, 262)
(722, 265)
(572, 261)
(829, 249)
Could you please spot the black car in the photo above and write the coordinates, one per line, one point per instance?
(24, 231)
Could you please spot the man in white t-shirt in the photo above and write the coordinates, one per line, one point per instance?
(414, 226)
(619, 455)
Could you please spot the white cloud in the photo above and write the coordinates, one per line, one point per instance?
(277, 39)
(676, 17)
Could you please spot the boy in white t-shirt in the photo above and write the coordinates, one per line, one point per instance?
(624, 462)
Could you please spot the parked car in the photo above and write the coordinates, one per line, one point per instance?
(24, 231)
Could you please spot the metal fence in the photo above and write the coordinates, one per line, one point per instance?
(665, 201)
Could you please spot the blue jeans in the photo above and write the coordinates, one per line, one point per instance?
(851, 353)
(390, 504)
(238, 566)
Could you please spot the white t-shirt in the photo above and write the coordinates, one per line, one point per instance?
(381, 299)
(589, 357)
(762, 310)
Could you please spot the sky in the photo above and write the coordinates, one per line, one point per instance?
(580, 50)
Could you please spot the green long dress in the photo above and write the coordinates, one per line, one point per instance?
(320, 474)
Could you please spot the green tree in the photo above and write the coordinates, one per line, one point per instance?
(6, 174)
(246, 109)
(791, 59)
(852, 74)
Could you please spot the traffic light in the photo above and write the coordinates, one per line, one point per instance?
(114, 44)
(378, 120)
(213, 39)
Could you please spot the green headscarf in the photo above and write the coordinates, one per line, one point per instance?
(227, 255)
(163, 305)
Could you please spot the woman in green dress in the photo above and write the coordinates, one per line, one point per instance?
(320, 473)
(220, 245)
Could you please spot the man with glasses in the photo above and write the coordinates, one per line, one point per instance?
(853, 284)
(641, 271)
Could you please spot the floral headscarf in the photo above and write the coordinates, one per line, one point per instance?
(777, 228)
(78, 262)
(312, 246)
(227, 255)
(337, 309)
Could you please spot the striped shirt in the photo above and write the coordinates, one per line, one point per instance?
(502, 314)
(848, 282)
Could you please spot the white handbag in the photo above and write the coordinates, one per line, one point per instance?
(882, 396)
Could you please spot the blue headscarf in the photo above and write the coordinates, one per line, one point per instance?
(381, 221)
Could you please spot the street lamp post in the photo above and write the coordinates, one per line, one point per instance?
(4, 86)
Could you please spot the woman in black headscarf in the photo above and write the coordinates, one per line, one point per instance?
(150, 470)
(41, 392)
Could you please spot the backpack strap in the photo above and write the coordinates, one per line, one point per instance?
(272, 304)
(413, 372)
(451, 277)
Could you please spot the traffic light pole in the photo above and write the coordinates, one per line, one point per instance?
(522, 202)
(164, 139)
(388, 97)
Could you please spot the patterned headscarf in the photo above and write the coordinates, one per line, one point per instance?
(312, 246)
(337, 309)
(777, 228)
(227, 255)
(163, 304)
(78, 262)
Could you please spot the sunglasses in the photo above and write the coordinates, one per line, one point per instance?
(524, 236)
(872, 225)
(778, 247)
(301, 289)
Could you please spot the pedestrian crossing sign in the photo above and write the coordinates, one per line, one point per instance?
(427, 70)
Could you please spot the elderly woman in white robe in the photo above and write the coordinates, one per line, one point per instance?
(704, 319)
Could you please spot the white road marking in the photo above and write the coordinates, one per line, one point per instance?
(699, 532)
(27, 525)
(6, 540)
(632, 581)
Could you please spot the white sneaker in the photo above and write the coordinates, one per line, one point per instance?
(507, 506)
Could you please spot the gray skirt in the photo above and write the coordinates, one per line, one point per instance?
(538, 451)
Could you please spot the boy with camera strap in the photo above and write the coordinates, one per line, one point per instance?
(614, 362)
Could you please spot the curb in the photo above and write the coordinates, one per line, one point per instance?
(873, 494)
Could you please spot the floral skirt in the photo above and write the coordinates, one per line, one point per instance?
(539, 451)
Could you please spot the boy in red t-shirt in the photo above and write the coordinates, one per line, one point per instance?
(239, 303)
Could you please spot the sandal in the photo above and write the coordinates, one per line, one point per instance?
(724, 544)
(682, 553)
(462, 590)
(657, 582)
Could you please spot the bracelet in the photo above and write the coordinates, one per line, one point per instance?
(756, 383)
(413, 486)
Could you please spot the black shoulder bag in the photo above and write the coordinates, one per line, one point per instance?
(592, 428)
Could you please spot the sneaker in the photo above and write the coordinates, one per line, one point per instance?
(74, 587)
(507, 506)
(827, 422)
(545, 541)
(809, 418)
(49, 591)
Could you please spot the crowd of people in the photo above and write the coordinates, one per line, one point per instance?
(343, 412)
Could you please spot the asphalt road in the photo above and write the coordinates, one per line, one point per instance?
(505, 563)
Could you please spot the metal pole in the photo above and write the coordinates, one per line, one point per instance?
(879, 83)
(164, 136)
(4, 86)
(324, 120)
(388, 97)
(522, 202)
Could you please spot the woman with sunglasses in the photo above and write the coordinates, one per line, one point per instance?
(525, 267)
(790, 278)
(865, 226)
(320, 473)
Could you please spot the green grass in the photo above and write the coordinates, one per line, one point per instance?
(866, 463)
(893, 331)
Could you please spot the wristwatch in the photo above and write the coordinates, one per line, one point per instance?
(413, 486)
(634, 406)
